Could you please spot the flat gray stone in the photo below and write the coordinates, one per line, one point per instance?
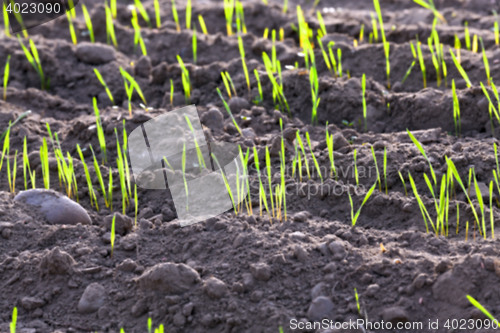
(57, 208)
(92, 298)
(95, 53)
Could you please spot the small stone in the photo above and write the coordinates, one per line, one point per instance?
(300, 253)
(238, 241)
(32, 303)
(167, 214)
(256, 296)
(145, 213)
(187, 309)
(168, 277)
(123, 223)
(419, 280)
(57, 208)
(238, 287)
(56, 262)
(159, 73)
(338, 250)
(457, 147)
(248, 281)
(366, 278)
(95, 54)
(6, 233)
(261, 271)
(320, 308)
(339, 141)
(395, 315)
(330, 268)
(300, 217)
(213, 119)
(236, 104)
(103, 313)
(248, 133)
(129, 242)
(251, 219)
(215, 288)
(318, 290)
(179, 319)
(279, 259)
(92, 299)
(372, 290)
(127, 265)
(174, 299)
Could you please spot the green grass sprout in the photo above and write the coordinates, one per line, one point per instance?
(100, 132)
(101, 80)
(203, 26)
(88, 23)
(354, 217)
(112, 236)
(176, 16)
(6, 74)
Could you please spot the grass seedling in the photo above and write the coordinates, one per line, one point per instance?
(92, 196)
(474, 44)
(44, 161)
(240, 18)
(189, 10)
(479, 197)
(113, 8)
(14, 321)
(376, 4)
(408, 72)
(100, 132)
(131, 85)
(110, 188)
(374, 28)
(138, 40)
(422, 151)
(361, 33)
(11, 176)
(461, 69)
(491, 108)
(329, 143)
(226, 84)
(363, 94)
(176, 16)
(144, 13)
(301, 144)
(467, 35)
(313, 80)
(270, 179)
(243, 62)
(376, 169)
(403, 181)
(121, 172)
(339, 57)
(88, 23)
(491, 211)
(201, 160)
(6, 74)
(98, 173)
(486, 63)
(101, 80)
(156, 4)
(422, 64)
(71, 28)
(430, 5)
(124, 149)
(110, 28)
(312, 155)
(354, 217)
(136, 203)
(259, 86)
(228, 12)
(229, 111)
(482, 309)
(456, 110)
(34, 60)
(5, 20)
(357, 300)
(203, 26)
(112, 237)
(194, 46)
(423, 209)
(285, 6)
(322, 32)
(171, 93)
(186, 82)
(262, 195)
(277, 87)
(26, 167)
(356, 176)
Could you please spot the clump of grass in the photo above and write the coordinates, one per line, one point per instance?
(101, 80)
(486, 63)
(34, 60)
(120, 163)
(354, 217)
(6, 74)
(278, 91)
(262, 195)
(491, 108)
(313, 80)
(11, 175)
(240, 18)
(356, 175)
(186, 82)
(98, 173)
(136, 203)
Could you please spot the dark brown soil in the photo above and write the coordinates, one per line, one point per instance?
(268, 274)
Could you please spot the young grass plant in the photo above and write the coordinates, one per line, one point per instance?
(259, 86)
(131, 85)
(100, 132)
(226, 106)
(422, 151)
(156, 4)
(243, 62)
(106, 88)
(98, 173)
(26, 167)
(422, 64)
(92, 195)
(301, 144)
(5, 20)
(363, 94)
(482, 309)
(203, 26)
(376, 169)
(88, 23)
(34, 60)
(189, 10)
(312, 155)
(71, 28)
(194, 43)
(6, 74)
(14, 321)
(329, 143)
(112, 236)
(354, 217)
(460, 69)
(144, 13)
(110, 28)
(176, 16)
(456, 110)
(386, 44)
(228, 13)
(11, 175)
(44, 161)
(186, 82)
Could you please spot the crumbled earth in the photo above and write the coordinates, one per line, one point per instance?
(248, 272)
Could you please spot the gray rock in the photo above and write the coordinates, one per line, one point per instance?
(95, 53)
(127, 265)
(145, 213)
(300, 217)
(123, 223)
(92, 299)
(256, 296)
(187, 309)
(213, 119)
(129, 242)
(300, 253)
(339, 141)
(261, 271)
(168, 277)
(318, 290)
(238, 241)
(248, 133)
(395, 315)
(56, 262)
(372, 290)
(143, 67)
(419, 281)
(320, 308)
(338, 250)
(167, 214)
(236, 104)
(32, 303)
(215, 288)
(57, 208)
(248, 281)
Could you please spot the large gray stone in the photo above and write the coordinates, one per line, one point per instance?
(57, 208)
(168, 277)
(95, 54)
(92, 299)
(321, 307)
